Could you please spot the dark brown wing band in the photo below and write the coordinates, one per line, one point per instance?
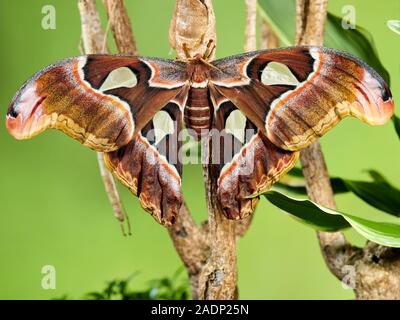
(327, 86)
(152, 169)
(250, 163)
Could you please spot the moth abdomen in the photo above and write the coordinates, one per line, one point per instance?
(198, 114)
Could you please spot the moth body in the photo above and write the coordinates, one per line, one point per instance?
(198, 113)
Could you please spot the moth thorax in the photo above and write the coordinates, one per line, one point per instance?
(198, 114)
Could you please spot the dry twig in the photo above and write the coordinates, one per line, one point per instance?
(311, 16)
(269, 39)
(121, 26)
(93, 40)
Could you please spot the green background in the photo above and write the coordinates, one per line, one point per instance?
(53, 208)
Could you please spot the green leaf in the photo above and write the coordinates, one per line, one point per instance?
(394, 25)
(307, 212)
(295, 189)
(378, 177)
(357, 41)
(338, 186)
(281, 15)
(296, 172)
(96, 296)
(379, 195)
(165, 288)
(384, 233)
(396, 122)
(322, 218)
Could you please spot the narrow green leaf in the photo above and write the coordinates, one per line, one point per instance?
(322, 218)
(338, 185)
(379, 195)
(394, 25)
(378, 177)
(357, 41)
(295, 189)
(307, 212)
(396, 122)
(281, 15)
(274, 10)
(296, 172)
(384, 233)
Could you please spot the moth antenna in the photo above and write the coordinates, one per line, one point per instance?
(210, 49)
(210, 65)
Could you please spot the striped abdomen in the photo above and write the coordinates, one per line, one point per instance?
(198, 114)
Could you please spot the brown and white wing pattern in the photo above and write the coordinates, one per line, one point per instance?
(250, 163)
(267, 105)
(150, 165)
(100, 100)
(294, 95)
(290, 97)
(128, 107)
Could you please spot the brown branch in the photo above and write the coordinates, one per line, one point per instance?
(310, 21)
(218, 278)
(269, 39)
(121, 26)
(92, 34)
(311, 16)
(93, 40)
(192, 245)
(110, 187)
(375, 269)
(250, 44)
(251, 26)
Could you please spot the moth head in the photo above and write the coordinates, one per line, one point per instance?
(59, 97)
(25, 116)
(40, 101)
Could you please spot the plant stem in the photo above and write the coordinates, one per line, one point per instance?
(93, 40)
(269, 39)
(218, 278)
(310, 21)
(121, 26)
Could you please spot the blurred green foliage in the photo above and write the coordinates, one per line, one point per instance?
(358, 41)
(158, 289)
(166, 288)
